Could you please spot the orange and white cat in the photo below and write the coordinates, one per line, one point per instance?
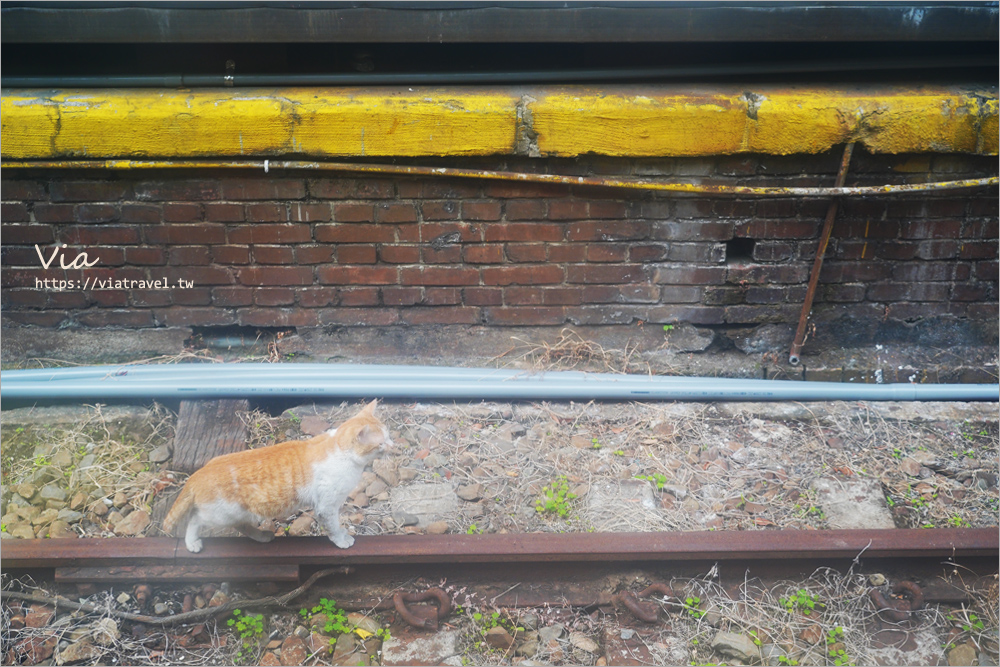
(241, 489)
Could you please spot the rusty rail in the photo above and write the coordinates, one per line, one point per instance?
(510, 548)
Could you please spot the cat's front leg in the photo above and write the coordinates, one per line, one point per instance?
(336, 532)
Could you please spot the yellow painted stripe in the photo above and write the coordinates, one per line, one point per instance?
(560, 121)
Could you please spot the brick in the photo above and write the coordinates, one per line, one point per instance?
(145, 213)
(686, 274)
(697, 252)
(402, 296)
(863, 208)
(448, 255)
(692, 208)
(150, 298)
(126, 319)
(723, 296)
(758, 294)
(736, 166)
(299, 212)
(50, 320)
(652, 252)
(928, 272)
(408, 233)
(984, 206)
(353, 212)
(971, 292)
(199, 275)
(357, 275)
(54, 213)
(232, 296)
(483, 254)
(21, 190)
(525, 209)
(206, 233)
(109, 299)
(987, 270)
(625, 230)
(843, 292)
(431, 232)
(272, 254)
(440, 315)
(767, 273)
(568, 209)
(102, 235)
(778, 229)
(356, 254)
(29, 234)
(607, 274)
(182, 213)
(692, 231)
(69, 300)
(193, 190)
(776, 208)
(761, 314)
(896, 250)
(607, 252)
(439, 210)
(398, 254)
(865, 229)
(267, 213)
(360, 317)
(277, 317)
(524, 316)
(331, 188)
(273, 296)
(386, 212)
(904, 208)
(20, 298)
(483, 210)
(604, 209)
(317, 254)
(23, 256)
(945, 249)
(562, 253)
(316, 297)
(270, 233)
(976, 250)
(231, 254)
(854, 272)
(772, 251)
(482, 296)
(194, 296)
(14, 213)
(541, 274)
(679, 313)
(680, 294)
(523, 231)
(516, 190)
(945, 208)
(248, 189)
(908, 292)
(981, 229)
(442, 276)
(449, 189)
(354, 233)
(374, 188)
(547, 296)
(224, 213)
(931, 229)
(276, 275)
(189, 255)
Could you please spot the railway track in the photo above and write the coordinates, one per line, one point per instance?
(631, 590)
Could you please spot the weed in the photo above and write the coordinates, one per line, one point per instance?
(785, 660)
(474, 530)
(834, 647)
(250, 628)
(801, 600)
(659, 479)
(555, 498)
(336, 619)
(691, 606)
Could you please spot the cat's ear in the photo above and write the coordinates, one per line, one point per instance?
(370, 408)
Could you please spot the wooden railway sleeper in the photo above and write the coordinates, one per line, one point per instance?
(900, 609)
(646, 612)
(424, 617)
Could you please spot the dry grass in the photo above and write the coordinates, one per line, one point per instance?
(571, 351)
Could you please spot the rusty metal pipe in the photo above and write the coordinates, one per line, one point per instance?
(452, 172)
(824, 240)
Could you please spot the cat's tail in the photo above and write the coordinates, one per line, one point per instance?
(180, 510)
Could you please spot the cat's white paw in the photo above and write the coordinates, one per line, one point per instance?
(194, 546)
(343, 541)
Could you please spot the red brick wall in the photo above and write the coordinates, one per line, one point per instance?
(305, 249)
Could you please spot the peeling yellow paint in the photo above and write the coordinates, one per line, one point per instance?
(557, 121)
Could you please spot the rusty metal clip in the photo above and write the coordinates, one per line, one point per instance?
(647, 612)
(901, 609)
(423, 616)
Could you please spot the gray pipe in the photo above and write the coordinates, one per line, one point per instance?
(280, 380)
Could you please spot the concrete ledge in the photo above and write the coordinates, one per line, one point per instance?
(634, 121)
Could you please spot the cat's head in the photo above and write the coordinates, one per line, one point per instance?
(366, 434)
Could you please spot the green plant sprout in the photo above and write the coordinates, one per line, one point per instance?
(691, 606)
(555, 498)
(803, 601)
(250, 628)
(659, 479)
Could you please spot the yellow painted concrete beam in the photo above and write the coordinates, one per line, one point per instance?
(560, 121)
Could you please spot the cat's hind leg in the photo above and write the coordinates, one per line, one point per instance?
(255, 533)
(191, 536)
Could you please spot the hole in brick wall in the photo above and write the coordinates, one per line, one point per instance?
(740, 248)
(236, 338)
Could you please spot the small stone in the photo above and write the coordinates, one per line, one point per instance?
(134, 524)
(551, 633)
(528, 648)
(736, 646)
(437, 527)
(366, 623)
(376, 487)
(301, 526)
(498, 638)
(294, 651)
(627, 634)
(583, 642)
(200, 602)
(123, 598)
(269, 659)
(910, 467)
(405, 519)
(79, 652)
(26, 491)
(302, 632)
(51, 492)
(45, 518)
(120, 500)
(582, 442)
(62, 459)
(61, 530)
(23, 532)
(69, 516)
(39, 616)
(100, 508)
(346, 645)
(529, 621)
(877, 579)
(218, 599)
(79, 501)
(106, 632)
(160, 609)
(963, 654)
(360, 500)
(318, 643)
(471, 492)
(812, 634)
(36, 650)
(160, 455)
(314, 425)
